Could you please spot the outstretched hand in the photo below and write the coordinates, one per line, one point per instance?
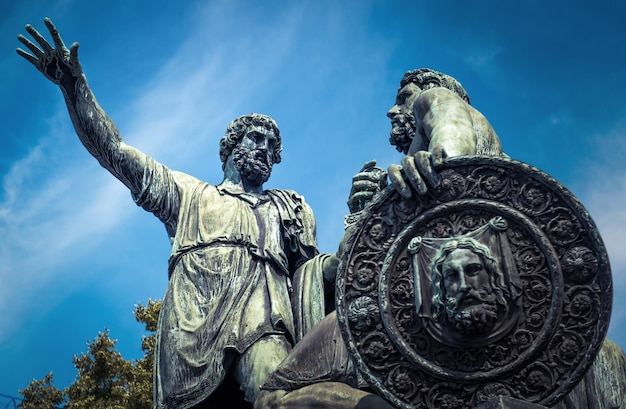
(58, 64)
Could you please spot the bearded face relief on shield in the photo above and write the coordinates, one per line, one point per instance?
(466, 287)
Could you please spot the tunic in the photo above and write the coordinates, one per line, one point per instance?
(234, 256)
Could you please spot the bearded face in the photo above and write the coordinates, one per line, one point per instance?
(402, 131)
(254, 165)
(472, 312)
(402, 119)
(468, 301)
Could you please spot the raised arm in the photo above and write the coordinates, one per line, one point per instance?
(95, 129)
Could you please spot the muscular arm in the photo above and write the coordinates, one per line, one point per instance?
(95, 129)
(101, 138)
(446, 121)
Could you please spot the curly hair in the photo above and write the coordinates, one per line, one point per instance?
(496, 276)
(425, 78)
(235, 131)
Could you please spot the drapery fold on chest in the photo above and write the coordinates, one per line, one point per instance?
(196, 215)
(298, 224)
(280, 230)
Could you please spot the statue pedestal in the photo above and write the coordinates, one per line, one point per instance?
(504, 402)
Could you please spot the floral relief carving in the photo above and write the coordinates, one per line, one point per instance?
(556, 272)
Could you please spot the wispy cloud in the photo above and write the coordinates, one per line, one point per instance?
(55, 208)
(603, 192)
(483, 59)
(603, 189)
(42, 219)
(605, 201)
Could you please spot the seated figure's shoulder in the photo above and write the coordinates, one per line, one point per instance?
(438, 92)
(481, 124)
(437, 95)
(439, 100)
(488, 141)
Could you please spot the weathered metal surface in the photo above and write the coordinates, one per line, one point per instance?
(553, 285)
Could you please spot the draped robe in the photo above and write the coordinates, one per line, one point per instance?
(234, 257)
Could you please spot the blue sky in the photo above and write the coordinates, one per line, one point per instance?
(77, 254)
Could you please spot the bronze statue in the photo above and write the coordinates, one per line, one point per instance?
(240, 254)
(431, 120)
(417, 338)
(426, 102)
(433, 113)
(247, 282)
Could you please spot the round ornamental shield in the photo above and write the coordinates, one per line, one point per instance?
(496, 283)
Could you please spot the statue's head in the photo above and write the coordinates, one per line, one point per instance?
(469, 292)
(425, 78)
(255, 144)
(412, 84)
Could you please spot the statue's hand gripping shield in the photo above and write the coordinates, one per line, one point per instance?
(497, 283)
